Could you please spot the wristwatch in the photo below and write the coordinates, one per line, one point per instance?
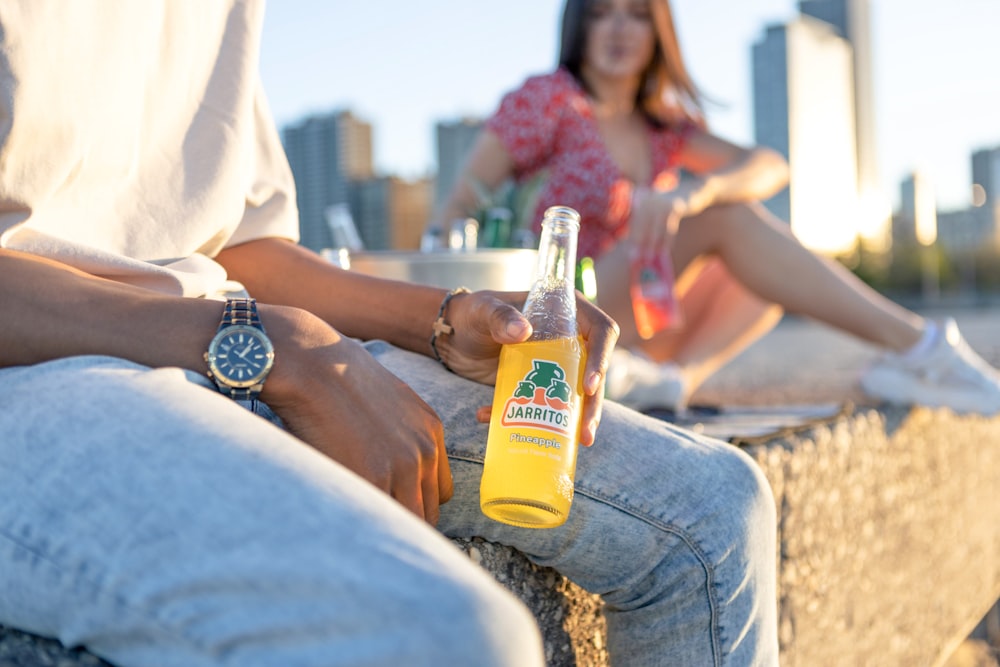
(240, 355)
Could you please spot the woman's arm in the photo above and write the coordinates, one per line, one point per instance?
(723, 173)
(486, 168)
(729, 173)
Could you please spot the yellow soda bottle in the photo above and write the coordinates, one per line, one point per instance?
(535, 423)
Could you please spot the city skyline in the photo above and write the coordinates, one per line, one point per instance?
(935, 93)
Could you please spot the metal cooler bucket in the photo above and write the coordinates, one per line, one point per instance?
(489, 269)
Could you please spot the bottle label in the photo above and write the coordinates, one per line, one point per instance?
(541, 399)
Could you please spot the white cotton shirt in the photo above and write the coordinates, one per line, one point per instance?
(135, 141)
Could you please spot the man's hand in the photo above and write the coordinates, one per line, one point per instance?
(484, 321)
(336, 397)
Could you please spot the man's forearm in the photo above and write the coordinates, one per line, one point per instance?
(280, 272)
(49, 310)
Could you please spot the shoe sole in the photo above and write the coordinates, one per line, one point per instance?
(884, 386)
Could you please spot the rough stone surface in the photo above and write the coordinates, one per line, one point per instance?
(887, 552)
(18, 649)
(571, 621)
(888, 541)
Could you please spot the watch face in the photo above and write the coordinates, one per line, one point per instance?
(240, 356)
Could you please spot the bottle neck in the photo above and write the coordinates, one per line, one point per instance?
(551, 303)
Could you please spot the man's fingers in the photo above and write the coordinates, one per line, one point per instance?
(508, 325)
(601, 333)
(408, 492)
(430, 498)
(445, 484)
(593, 406)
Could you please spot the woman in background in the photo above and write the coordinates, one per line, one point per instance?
(608, 132)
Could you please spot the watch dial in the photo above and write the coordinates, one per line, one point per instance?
(243, 355)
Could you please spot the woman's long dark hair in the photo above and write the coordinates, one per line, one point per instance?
(668, 94)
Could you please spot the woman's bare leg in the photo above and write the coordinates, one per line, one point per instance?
(721, 317)
(763, 257)
(760, 251)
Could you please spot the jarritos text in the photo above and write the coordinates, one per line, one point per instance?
(541, 400)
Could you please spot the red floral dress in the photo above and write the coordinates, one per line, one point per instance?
(547, 126)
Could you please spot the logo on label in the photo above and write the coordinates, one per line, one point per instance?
(541, 399)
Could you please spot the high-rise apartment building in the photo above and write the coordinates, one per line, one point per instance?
(454, 140)
(390, 212)
(986, 178)
(917, 205)
(986, 186)
(327, 153)
(963, 231)
(852, 21)
(804, 108)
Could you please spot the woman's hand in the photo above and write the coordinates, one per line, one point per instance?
(336, 397)
(484, 321)
(656, 214)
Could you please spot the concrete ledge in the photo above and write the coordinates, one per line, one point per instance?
(18, 649)
(888, 547)
(888, 539)
(888, 543)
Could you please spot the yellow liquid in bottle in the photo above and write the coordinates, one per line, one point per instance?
(534, 433)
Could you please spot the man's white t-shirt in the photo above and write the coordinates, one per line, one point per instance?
(135, 141)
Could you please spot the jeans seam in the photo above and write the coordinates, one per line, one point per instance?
(101, 592)
(689, 541)
(699, 554)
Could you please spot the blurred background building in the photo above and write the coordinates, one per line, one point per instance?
(326, 153)
(454, 140)
(814, 102)
(331, 159)
(804, 108)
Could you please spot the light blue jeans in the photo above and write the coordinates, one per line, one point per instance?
(149, 518)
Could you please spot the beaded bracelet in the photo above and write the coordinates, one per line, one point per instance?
(441, 326)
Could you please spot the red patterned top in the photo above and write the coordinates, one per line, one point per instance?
(547, 126)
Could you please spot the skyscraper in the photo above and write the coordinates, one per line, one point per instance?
(852, 21)
(986, 175)
(986, 183)
(804, 108)
(391, 212)
(454, 140)
(326, 152)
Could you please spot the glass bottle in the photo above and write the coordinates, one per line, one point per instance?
(463, 236)
(343, 231)
(535, 423)
(654, 299)
(496, 229)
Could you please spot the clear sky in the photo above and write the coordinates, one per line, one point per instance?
(403, 65)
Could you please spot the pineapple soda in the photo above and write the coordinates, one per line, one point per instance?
(535, 423)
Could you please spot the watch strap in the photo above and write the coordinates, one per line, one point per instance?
(241, 311)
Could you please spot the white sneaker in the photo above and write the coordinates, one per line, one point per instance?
(642, 384)
(950, 375)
